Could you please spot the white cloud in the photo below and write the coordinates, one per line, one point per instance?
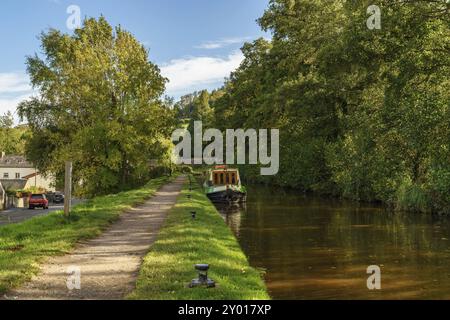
(14, 88)
(13, 83)
(186, 75)
(210, 45)
(196, 73)
(10, 104)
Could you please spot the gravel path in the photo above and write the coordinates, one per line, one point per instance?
(109, 264)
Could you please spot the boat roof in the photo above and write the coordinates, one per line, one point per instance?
(224, 169)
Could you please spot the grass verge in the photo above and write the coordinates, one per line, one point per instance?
(25, 245)
(183, 242)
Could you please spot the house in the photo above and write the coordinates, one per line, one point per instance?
(18, 173)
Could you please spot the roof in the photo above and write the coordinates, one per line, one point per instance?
(225, 170)
(15, 184)
(15, 162)
(30, 176)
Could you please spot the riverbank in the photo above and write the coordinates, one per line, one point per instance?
(405, 198)
(183, 242)
(24, 246)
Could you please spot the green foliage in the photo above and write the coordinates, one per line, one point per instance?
(12, 139)
(99, 106)
(184, 242)
(439, 189)
(34, 189)
(25, 192)
(196, 107)
(24, 245)
(360, 111)
(186, 169)
(412, 198)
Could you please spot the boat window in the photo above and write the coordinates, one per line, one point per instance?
(233, 178)
(222, 178)
(216, 178)
(228, 178)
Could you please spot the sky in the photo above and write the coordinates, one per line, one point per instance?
(195, 42)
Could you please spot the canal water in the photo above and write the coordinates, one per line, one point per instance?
(317, 248)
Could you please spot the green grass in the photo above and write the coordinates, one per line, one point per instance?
(412, 197)
(183, 242)
(24, 246)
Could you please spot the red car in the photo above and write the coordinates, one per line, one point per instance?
(38, 201)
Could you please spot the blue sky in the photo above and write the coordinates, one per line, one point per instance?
(195, 42)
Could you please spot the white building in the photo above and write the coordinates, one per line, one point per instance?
(18, 172)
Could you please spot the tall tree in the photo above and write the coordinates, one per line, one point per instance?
(363, 113)
(99, 106)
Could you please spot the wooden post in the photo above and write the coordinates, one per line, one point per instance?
(68, 189)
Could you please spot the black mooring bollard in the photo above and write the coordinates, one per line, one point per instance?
(202, 280)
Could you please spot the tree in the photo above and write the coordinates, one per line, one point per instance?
(99, 106)
(12, 139)
(363, 113)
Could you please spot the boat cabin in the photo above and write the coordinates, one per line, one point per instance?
(222, 176)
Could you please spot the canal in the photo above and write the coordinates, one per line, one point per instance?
(317, 248)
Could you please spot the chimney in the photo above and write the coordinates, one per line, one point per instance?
(3, 155)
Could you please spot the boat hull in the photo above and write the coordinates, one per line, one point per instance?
(227, 196)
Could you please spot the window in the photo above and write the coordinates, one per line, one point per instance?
(216, 178)
(17, 175)
(6, 175)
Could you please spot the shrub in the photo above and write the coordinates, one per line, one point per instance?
(412, 197)
(186, 169)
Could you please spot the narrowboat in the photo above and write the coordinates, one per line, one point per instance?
(223, 185)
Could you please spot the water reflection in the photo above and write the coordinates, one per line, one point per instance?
(315, 248)
(232, 215)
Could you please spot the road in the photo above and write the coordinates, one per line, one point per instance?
(17, 215)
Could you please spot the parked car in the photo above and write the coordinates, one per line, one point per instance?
(58, 197)
(38, 201)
